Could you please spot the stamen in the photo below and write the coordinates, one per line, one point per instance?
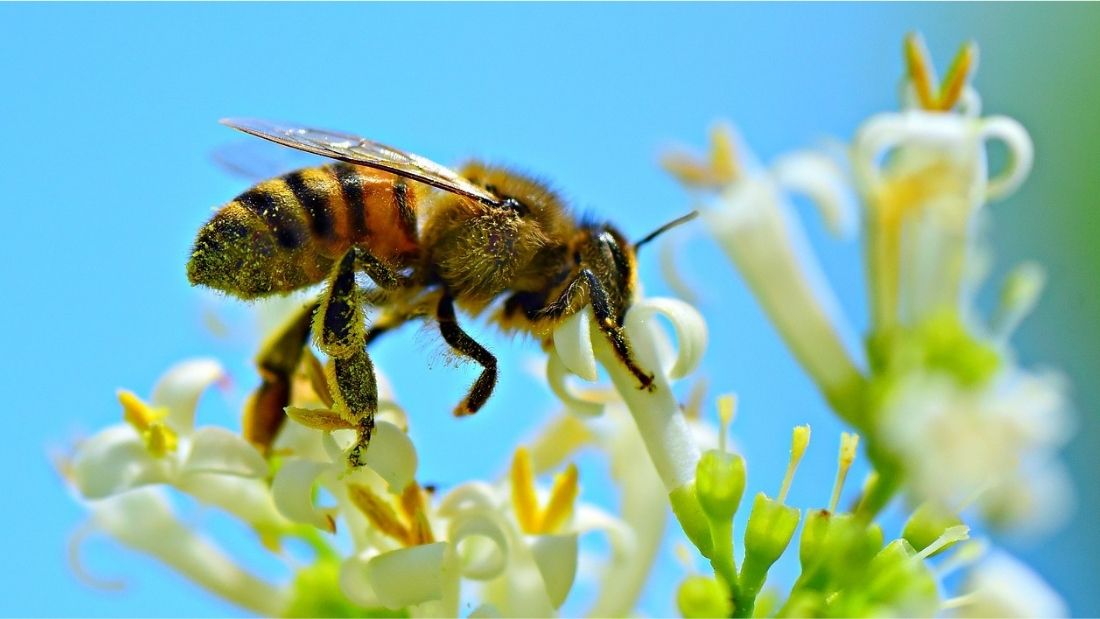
(160, 440)
(562, 497)
(316, 373)
(412, 504)
(727, 409)
(800, 439)
(379, 512)
(958, 75)
(136, 412)
(848, 443)
(920, 70)
(723, 155)
(524, 498)
(950, 536)
(319, 419)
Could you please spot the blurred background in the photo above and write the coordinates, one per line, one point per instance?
(109, 119)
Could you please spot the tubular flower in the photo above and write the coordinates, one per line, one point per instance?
(753, 222)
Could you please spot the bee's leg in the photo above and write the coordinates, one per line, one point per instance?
(276, 362)
(339, 332)
(463, 343)
(605, 321)
(379, 271)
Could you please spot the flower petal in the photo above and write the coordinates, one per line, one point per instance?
(481, 543)
(557, 375)
(392, 455)
(556, 558)
(217, 450)
(572, 340)
(819, 177)
(115, 460)
(408, 576)
(292, 489)
(691, 330)
(179, 389)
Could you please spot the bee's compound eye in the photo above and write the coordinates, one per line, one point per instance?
(515, 205)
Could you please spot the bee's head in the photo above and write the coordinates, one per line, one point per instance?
(479, 249)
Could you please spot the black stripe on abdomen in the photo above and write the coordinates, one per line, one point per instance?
(404, 209)
(314, 201)
(351, 185)
(277, 214)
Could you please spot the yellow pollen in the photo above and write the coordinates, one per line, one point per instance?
(160, 440)
(412, 504)
(532, 518)
(723, 155)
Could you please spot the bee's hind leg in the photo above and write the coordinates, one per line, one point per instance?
(461, 341)
(339, 331)
(276, 362)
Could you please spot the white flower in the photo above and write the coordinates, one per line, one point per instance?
(158, 444)
(994, 444)
(1000, 586)
(753, 222)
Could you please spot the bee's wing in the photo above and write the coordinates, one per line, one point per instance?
(256, 161)
(360, 151)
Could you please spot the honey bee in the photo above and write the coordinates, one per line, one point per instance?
(429, 239)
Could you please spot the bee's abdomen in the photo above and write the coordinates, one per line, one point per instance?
(285, 233)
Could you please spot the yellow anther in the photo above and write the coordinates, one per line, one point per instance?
(562, 498)
(849, 442)
(800, 439)
(531, 517)
(412, 504)
(524, 498)
(923, 77)
(160, 440)
(136, 412)
(379, 512)
(723, 155)
(727, 409)
(687, 169)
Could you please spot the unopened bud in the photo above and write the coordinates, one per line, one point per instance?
(701, 596)
(720, 482)
(927, 524)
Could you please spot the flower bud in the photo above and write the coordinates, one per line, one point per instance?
(770, 528)
(719, 483)
(702, 596)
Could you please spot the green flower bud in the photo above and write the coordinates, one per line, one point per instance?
(685, 505)
(927, 524)
(771, 527)
(719, 483)
(813, 537)
(702, 596)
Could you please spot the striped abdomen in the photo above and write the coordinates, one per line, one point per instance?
(285, 233)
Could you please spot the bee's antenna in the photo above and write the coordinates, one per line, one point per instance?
(665, 228)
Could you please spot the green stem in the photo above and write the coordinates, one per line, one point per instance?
(721, 556)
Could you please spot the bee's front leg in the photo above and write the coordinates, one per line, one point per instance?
(461, 341)
(605, 321)
(339, 332)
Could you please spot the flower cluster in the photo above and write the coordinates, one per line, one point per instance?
(946, 415)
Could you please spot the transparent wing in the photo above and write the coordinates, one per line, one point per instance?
(255, 161)
(360, 151)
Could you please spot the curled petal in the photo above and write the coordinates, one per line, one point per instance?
(116, 460)
(354, 580)
(246, 498)
(178, 390)
(820, 178)
(475, 495)
(556, 376)
(481, 543)
(292, 489)
(572, 340)
(691, 330)
(408, 576)
(556, 559)
(217, 450)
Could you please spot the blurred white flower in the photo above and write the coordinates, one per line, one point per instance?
(994, 444)
(1001, 586)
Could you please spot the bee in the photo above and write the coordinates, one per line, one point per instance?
(429, 239)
